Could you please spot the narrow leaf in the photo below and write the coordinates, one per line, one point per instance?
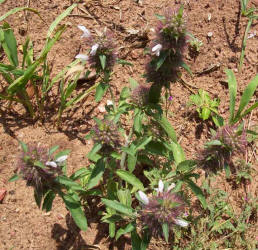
(130, 178)
(118, 207)
(96, 174)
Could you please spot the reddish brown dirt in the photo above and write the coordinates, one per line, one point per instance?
(23, 226)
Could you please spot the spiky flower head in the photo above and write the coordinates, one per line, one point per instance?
(140, 95)
(34, 166)
(102, 50)
(106, 133)
(165, 207)
(171, 32)
(228, 141)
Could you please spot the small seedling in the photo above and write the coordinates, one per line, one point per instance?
(205, 106)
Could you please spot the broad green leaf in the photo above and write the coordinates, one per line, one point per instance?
(76, 211)
(157, 148)
(133, 83)
(124, 196)
(178, 152)
(92, 155)
(232, 85)
(247, 95)
(82, 172)
(186, 67)
(198, 192)
(142, 143)
(165, 229)
(103, 60)
(205, 113)
(130, 178)
(138, 121)
(161, 59)
(59, 19)
(136, 240)
(96, 174)
(125, 93)
(165, 124)
(48, 201)
(128, 229)
(112, 229)
(9, 44)
(131, 161)
(118, 207)
(15, 177)
(185, 166)
(100, 91)
(69, 183)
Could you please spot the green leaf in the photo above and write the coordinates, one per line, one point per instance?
(130, 178)
(100, 91)
(103, 59)
(64, 180)
(9, 44)
(13, 11)
(124, 62)
(136, 240)
(82, 172)
(133, 83)
(38, 195)
(118, 207)
(143, 142)
(198, 192)
(128, 229)
(96, 174)
(186, 67)
(131, 161)
(76, 211)
(24, 146)
(165, 124)
(186, 166)
(53, 150)
(232, 84)
(125, 93)
(247, 95)
(112, 229)
(124, 196)
(155, 92)
(157, 148)
(205, 113)
(178, 152)
(22, 80)
(160, 17)
(48, 201)
(59, 19)
(161, 59)
(15, 177)
(62, 153)
(138, 120)
(92, 155)
(165, 230)
(39, 164)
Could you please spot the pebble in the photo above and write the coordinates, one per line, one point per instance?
(101, 108)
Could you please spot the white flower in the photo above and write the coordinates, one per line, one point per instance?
(94, 49)
(156, 49)
(86, 32)
(61, 158)
(82, 57)
(181, 223)
(161, 186)
(143, 197)
(109, 102)
(51, 164)
(171, 186)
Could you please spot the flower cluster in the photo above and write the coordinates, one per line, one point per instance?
(167, 47)
(227, 141)
(34, 166)
(165, 207)
(171, 32)
(140, 95)
(102, 54)
(107, 134)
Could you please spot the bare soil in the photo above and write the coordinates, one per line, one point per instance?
(23, 225)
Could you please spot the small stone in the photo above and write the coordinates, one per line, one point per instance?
(210, 34)
(235, 70)
(102, 109)
(209, 17)
(47, 214)
(17, 210)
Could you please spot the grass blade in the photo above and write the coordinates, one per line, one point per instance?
(232, 85)
(59, 19)
(247, 95)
